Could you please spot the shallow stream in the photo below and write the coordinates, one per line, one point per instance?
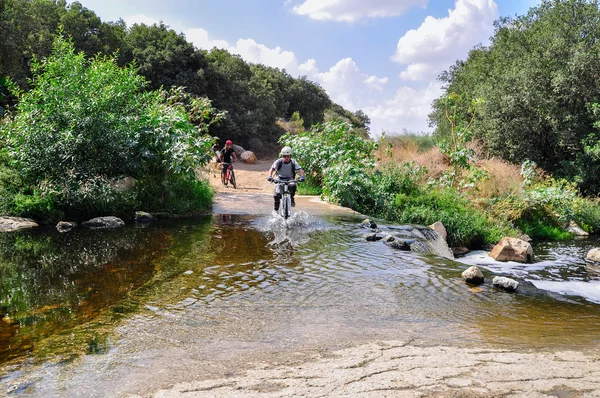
(93, 313)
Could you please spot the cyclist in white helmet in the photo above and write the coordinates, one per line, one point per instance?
(286, 169)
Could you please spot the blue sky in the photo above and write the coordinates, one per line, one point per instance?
(381, 56)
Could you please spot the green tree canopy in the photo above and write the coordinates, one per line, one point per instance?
(538, 79)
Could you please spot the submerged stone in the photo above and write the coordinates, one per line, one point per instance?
(104, 223)
(372, 237)
(65, 226)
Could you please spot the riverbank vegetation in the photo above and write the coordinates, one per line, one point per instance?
(409, 185)
(87, 139)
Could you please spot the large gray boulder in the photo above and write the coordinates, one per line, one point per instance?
(512, 249)
(576, 230)
(15, 223)
(238, 150)
(104, 223)
(248, 157)
(594, 255)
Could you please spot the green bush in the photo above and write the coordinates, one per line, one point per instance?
(332, 144)
(86, 124)
(465, 225)
(309, 189)
(587, 214)
(178, 195)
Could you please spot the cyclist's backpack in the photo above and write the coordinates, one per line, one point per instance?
(280, 163)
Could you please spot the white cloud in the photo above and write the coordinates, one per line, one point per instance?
(248, 49)
(344, 82)
(140, 19)
(419, 72)
(408, 109)
(261, 54)
(376, 83)
(439, 42)
(199, 37)
(353, 10)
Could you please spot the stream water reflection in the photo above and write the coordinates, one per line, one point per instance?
(214, 285)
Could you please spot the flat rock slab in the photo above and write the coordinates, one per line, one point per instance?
(16, 223)
(396, 369)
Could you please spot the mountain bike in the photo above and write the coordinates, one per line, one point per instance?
(228, 175)
(283, 188)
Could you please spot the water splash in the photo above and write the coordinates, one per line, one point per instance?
(427, 240)
(293, 231)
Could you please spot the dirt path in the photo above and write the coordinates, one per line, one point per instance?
(251, 178)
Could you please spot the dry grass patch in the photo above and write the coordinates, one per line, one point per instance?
(504, 178)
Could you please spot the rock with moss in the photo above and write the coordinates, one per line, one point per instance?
(143, 217)
(104, 223)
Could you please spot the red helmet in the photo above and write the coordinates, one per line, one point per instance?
(228, 142)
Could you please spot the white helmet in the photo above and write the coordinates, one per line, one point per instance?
(286, 150)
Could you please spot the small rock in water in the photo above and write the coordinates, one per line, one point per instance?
(401, 244)
(510, 285)
(460, 251)
(440, 229)
(473, 276)
(372, 237)
(389, 238)
(143, 217)
(369, 224)
(594, 254)
(512, 249)
(65, 226)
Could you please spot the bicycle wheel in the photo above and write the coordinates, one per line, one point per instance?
(232, 179)
(285, 206)
(223, 177)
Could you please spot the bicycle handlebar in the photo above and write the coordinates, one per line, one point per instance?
(276, 181)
